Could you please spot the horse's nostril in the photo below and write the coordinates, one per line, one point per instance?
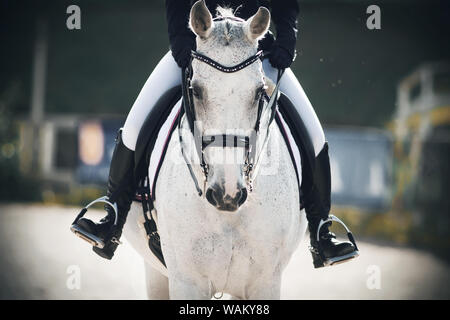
(242, 196)
(210, 198)
(215, 196)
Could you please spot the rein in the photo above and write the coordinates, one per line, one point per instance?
(202, 142)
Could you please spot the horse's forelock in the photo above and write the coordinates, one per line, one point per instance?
(225, 12)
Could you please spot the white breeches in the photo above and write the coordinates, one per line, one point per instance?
(167, 75)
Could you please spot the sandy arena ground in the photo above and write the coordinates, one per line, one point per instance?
(39, 255)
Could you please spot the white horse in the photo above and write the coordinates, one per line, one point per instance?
(227, 242)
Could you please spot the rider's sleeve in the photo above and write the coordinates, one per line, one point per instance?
(177, 15)
(284, 15)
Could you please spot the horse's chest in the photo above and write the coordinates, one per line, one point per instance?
(229, 249)
(221, 245)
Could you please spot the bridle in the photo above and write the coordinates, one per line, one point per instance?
(224, 140)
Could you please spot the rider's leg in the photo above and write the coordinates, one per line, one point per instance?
(165, 76)
(317, 201)
(121, 189)
(292, 88)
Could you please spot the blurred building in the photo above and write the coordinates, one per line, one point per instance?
(361, 167)
(421, 129)
(73, 149)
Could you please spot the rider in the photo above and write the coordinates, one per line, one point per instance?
(167, 75)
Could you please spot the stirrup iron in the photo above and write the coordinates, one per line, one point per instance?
(87, 236)
(334, 260)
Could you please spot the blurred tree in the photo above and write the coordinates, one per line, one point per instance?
(13, 186)
(348, 71)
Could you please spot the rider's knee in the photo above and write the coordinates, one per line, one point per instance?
(318, 140)
(129, 137)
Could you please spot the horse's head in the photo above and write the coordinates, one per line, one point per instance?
(226, 103)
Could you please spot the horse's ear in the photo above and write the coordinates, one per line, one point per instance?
(201, 19)
(256, 26)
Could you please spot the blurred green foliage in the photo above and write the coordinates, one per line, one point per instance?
(349, 73)
(399, 227)
(13, 185)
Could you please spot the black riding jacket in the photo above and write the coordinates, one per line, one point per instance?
(283, 13)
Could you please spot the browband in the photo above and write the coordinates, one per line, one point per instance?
(223, 68)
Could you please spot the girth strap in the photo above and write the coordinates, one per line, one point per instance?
(150, 227)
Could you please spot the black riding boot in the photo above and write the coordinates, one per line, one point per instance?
(327, 250)
(121, 190)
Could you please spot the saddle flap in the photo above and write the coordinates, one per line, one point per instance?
(149, 132)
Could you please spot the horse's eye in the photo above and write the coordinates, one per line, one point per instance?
(259, 92)
(196, 92)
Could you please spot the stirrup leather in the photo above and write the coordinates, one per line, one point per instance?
(87, 236)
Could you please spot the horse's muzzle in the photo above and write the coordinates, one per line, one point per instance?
(224, 202)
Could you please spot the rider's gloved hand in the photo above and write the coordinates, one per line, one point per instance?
(280, 57)
(181, 47)
(267, 42)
